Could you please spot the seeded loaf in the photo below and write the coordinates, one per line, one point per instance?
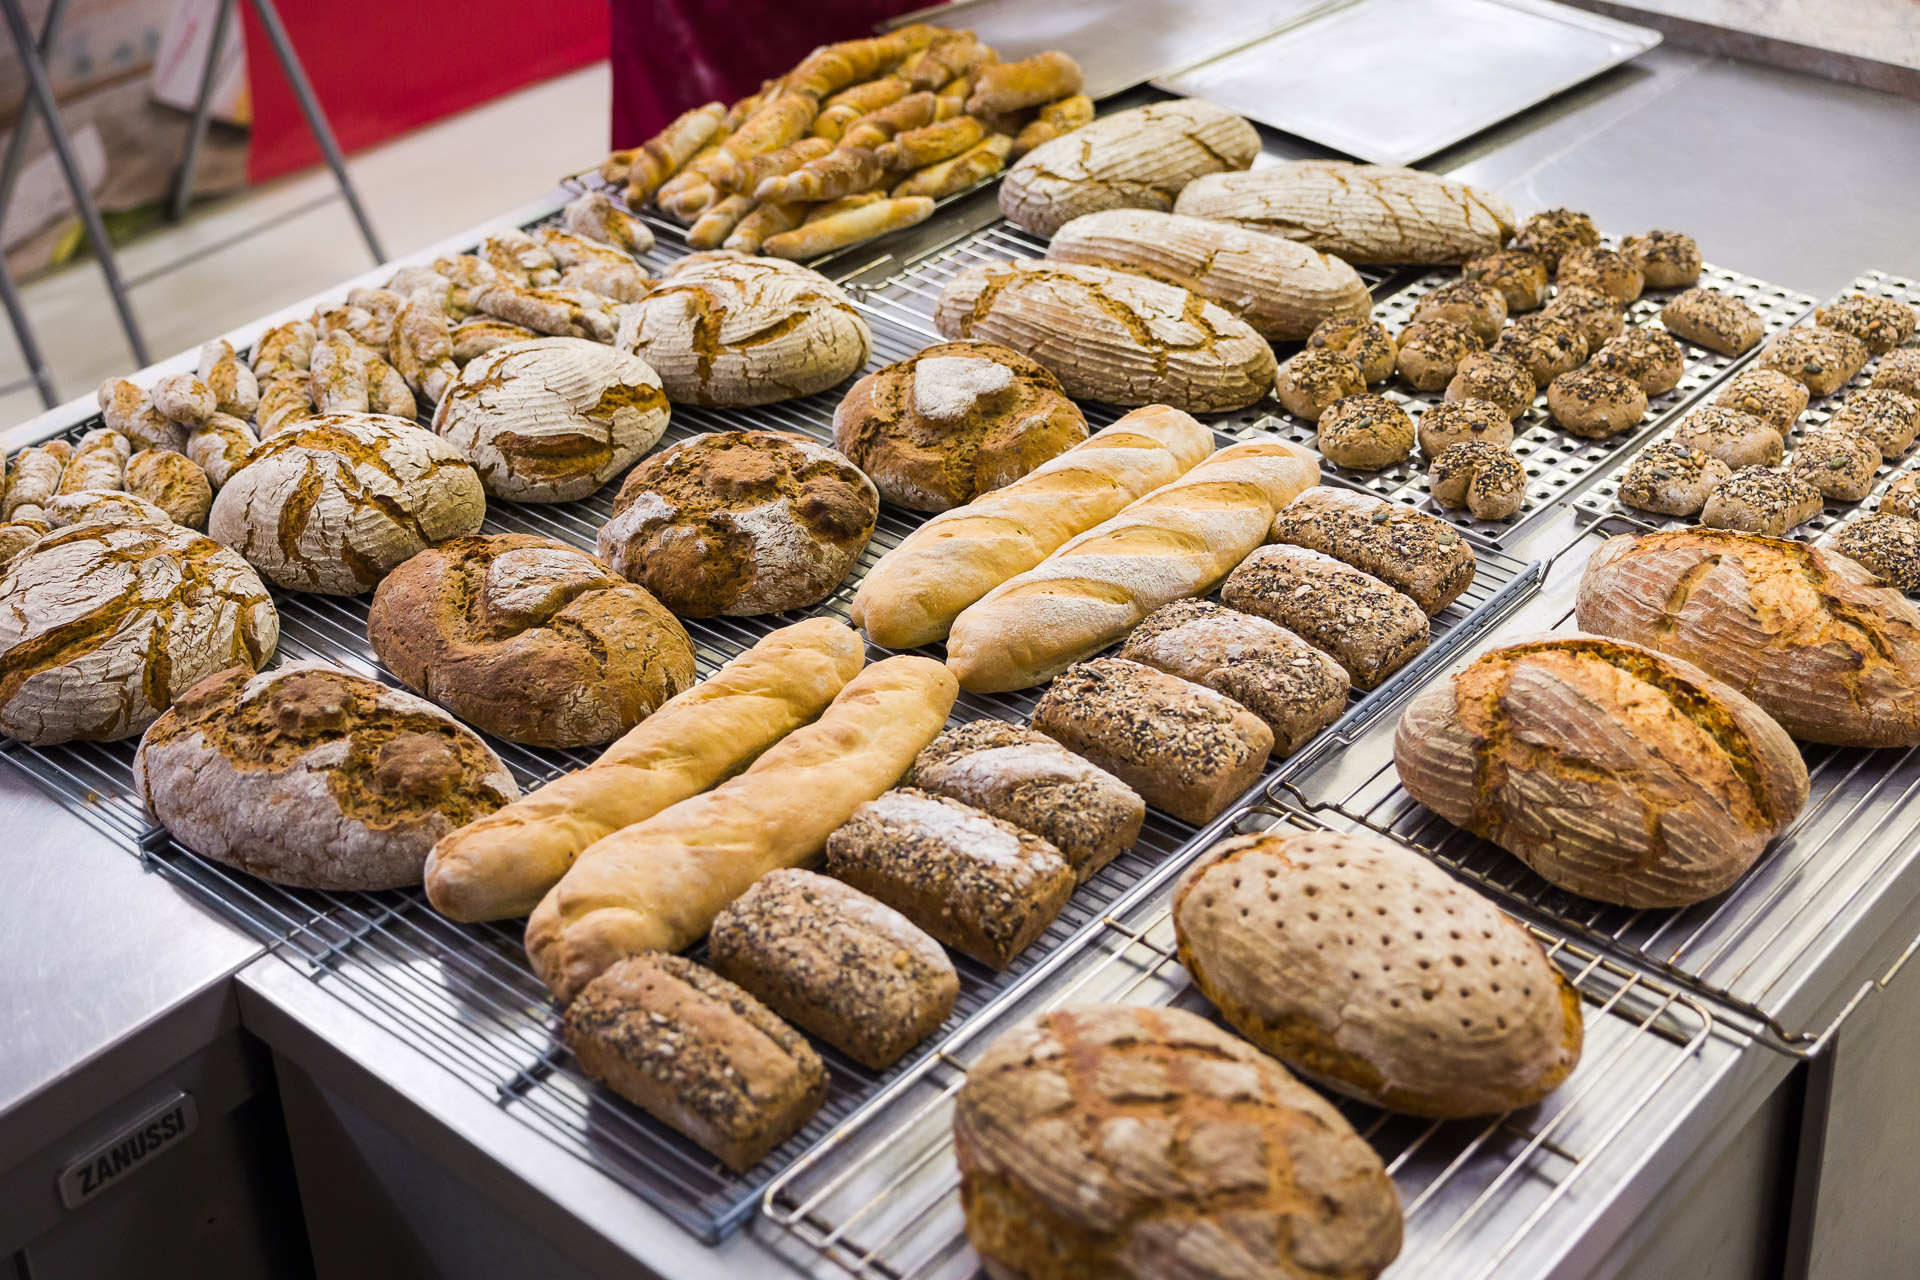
(1772, 397)
(981, 885)
(1881, 323)
(1599, 319)
(1138, 159)
(1439, 1005)
(1672, 478)
(1178, 541)
(1899, 371)
(1712, 320)
(1479, 306)
(311, 776)
(837, 963)
(1613, 770)
(1519, 274)
(1761, 500)
(658, 884)
(1148, 1144)
(1424, 557)
(1365, 432)
(1111, 335)
(1889, 419)
(1665, 259)
(697, 1053)
(1810, 636)
(1838, 463)
(1312, 381)
(1820, 359)
(1552, 233)
(1545, 345)
(1370, 629)
(1485, 478)
(1737, 439)
(1886, 544)
(1361, 339)
(1494, 378)
(502, 864)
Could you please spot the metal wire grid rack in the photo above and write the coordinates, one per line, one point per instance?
(1603, 498)
(881, 1198)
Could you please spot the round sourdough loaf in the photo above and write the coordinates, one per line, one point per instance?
(552, 419)
(332, 504)
(959, 419)
(311, 776)
(1363, 966)
(529, 639)
(103, 625)
(1146, 1144)
(726, 329)
(737, 523)
(1613, 770)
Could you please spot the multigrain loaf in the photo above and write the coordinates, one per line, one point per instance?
(1737, 439)
(1716, 321)
(1485, 478)
(1672, 478)
(1478, 305)
(1370, 629)
(1761, 500)
(1647, 355)
(1548, 345)
(1613, 770)
(1599, 319)
(1902, 498)
(1360, 213)
(1551, 233)
(1281, 288)
(1365, 432)
(1604, 270)
(1178, 541)
(311, 776)
(1820, 359)
(1838, 463)
(1314, 380)
(502, 864)
(1147, 1144)
(1111, 335)
(1771, 396)
(1881, 323)
(1430, 352)
(1665, 259)
(1808, 635)
(1884, 543)
(1361, 339)
(1889, 419)
(1494, 378)
(1439, 1006)
(1138, 159)
(1424, 557)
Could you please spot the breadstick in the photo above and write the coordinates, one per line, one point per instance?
(1009, 86)
(911, 112)
(99, 462)
(831, 69)
(844, 171)
(843, 108)
(1055, 119)
(950, 176)
(766, 220)
(662, 155)
(917, 148)
(743, 177)
(779, 122)
(718, 222)
(850, 227)
(844, 203)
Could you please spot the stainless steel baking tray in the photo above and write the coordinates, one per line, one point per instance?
(1456, 67)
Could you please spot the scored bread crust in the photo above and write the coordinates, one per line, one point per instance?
(1363, 966)
(1613, 770)
(1810, 636)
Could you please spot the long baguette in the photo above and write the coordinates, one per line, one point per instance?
(1176, 542)
(657, 885)
(914, 593)
(503, 864)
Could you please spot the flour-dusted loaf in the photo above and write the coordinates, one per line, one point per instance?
(111, 506)
(732, 330)
(1282, 288)
(836, 962)
(220, 447)
(699, 1054)
(502, 864)
(312, 776)
(1362, 213)
(1370, 628)
(333, 503)
(102, 626)
(1404, 548)
(977, 883)
(913, 594)
(1148, 1144)
(1111, 335)
(1613, 770)
(1138, 159)
(737, 523)
(173, 482)
(1178, 541)
(1439, 1005)
(99, 461)
(1810, 636)
(552, 419)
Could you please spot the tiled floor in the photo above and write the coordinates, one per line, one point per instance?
(418, 189)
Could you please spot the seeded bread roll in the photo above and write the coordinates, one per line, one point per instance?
(1840, 465)
(1761, 500)
(1430, 352)
(1881, 323)
(1772, 397)
(1672, 478)
(1519, 274)
(1737, 439)
(1369, 628)
(1547, 345)
(1185, 748)
(1411, 550)
(1599, 318)
(1365, 432)
(1648, 356)
(1313, 380)
(1886, 543)
(982, 886)
(1292, 686)
(1715, 321)
(1361, 339)
(1453, 422)
(1550, 233)
(1601, 269)
(1024, 777)
(1888, 419)
(1485, 478)
(1595, 404)
(697, 1053)
(1265, 926)
(1822, 360)
(833, 961)
(1665, 259)
(1500, 380)
(1902, 498)
(1479, 306)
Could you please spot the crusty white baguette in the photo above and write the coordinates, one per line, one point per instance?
(657, 885)
(503, 864)
(914, 593)
(1178, 541)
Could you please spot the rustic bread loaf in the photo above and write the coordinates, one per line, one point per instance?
(236, 391)
(1902, 498)
(1484, 477)
(981, 885)
(103, 625)
(34, 479)
(1613, 770)
(1672, 478)
(1808, 635)
(334, 503)
(311, 776)
(837, 963)
(99, 461)
(959, 419)
(1885, 543)
(1281, 288)
(17, 535)
(1178, 541)
(128, 409)
(1185, 748)
(502, 864)
(1138, 159)
(112, 506)
(174, 483)
(221, 447)
(1453, 1011)
(1595, 404)
(1361, 213)
(1370, 629)
(1422, 556)
(697, 1053)
(658, 884)
(738, 523)
(553, 419)
(1822, 360)
(1111, 335)
(1065, 1132)
(1712, 320)
(1772, 397)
